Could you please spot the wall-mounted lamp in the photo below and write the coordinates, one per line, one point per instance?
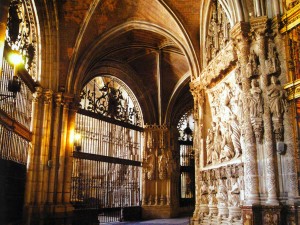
(14, 85)
(77, 141)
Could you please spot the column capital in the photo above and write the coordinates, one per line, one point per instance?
(58, 98)
(240, 31)
(37, 94)
(47, 96)
(259, 25)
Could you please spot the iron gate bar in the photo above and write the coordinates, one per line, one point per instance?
(102, 158)
(109, 120)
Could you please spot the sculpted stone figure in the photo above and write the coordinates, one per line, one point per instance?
(235, 135)
(227, 149)
(217, 136)
(204, 193)
(276, 96)
(234, 193)
(150, 168)
(255, 100)
(212, 193)
(162, 166)
(222, 193)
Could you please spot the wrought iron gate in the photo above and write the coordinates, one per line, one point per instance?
(107, 168)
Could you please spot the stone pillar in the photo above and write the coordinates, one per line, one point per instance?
(259, 25)
(32, 162)
(53, 160)
(42, 187)
(69, 154)
(239, 33)
(290, 157)
(4, 6)
(62, 154)
(199, 98)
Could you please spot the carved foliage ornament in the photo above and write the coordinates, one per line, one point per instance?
(20, 35)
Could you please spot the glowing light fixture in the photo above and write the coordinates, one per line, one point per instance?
(15, 58)
(77, 141)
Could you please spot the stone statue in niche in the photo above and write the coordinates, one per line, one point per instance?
(222, 196)
(272, 63)
(252, 68)
(163, 165)
(255, 100)
(277, 101)
(212, 193)
(234, 193)
(150, 165)
(276, 96)
(256, 109)
(204, 192)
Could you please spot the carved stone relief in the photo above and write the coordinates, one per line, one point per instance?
(220, 194)
(223, 141)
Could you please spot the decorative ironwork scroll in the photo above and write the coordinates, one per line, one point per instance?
(21, 33)
(110, 97)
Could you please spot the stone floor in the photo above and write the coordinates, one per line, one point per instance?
(174, 221)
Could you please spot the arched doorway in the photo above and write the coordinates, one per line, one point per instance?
(187, 163)
(107, 160)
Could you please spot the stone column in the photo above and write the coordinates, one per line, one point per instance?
(199, 97)
(4, 6)
(259, 25)
(68, 154)
(239, 33)
(62, 154)
(53, 161)
(42, 187)
(290, 157)
(33, 158)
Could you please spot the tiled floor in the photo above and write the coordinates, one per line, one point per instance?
(175, 221)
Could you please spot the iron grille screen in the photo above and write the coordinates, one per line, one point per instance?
(12, 146)
(18, 108)
(106, 171)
